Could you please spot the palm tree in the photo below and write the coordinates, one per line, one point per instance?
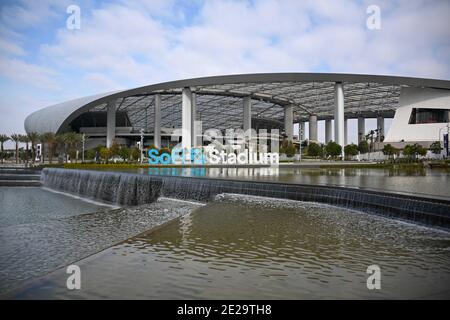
(50, 139)
(3, 139)
(61, 146)
(34, 137)
(72, 141)
(24, 139)
(16, 138)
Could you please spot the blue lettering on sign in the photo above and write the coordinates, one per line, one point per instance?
(177, 155)
(153, 156)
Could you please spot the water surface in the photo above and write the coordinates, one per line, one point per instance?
(242, 247)
(20, 205)
(41, 231)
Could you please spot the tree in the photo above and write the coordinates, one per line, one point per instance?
(408, 151)
(314, 150)
(124, 153)
(16, 138)
(135, 153)
(363, 146)
(115, 149)
(435, 147)
(49, 138)
(333, 149)
(61, 147)
(412, 151)
(105, 154)
(24, 139)
(288, 148)
(90, 154)
(71, 142)
(3, 139)
(283, 145)
(351, 150)
(33, 137)
(421, 151)
(389, 150)
(370, 136)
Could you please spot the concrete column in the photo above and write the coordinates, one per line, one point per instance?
(302, 131)
(380, 125)
(289, 122)
(157, 122)
(313, 128)
(110, 123)
(345, 132)
(247, 101)
(361, 129)
(193, 119)
(328, 133)
(186, 116)
(339, 115)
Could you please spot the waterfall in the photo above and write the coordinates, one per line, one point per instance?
(116, 188)
(132, 189)
(427, 211)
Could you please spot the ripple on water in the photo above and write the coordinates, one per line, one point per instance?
(252, 247)
(33, 249)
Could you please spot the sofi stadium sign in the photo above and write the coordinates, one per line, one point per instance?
(235, 148)
(211, 156)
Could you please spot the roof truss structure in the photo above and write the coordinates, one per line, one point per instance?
(220, 106)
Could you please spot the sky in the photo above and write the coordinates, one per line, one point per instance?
(124, 43)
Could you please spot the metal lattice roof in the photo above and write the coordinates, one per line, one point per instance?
(219, 99)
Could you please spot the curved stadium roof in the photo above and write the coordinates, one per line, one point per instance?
(219, 99)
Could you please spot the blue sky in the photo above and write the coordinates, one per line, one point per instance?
(122, 44)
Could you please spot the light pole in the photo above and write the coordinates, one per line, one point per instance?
(83, 140)
(448, 135)
(141, 146)
(300, 135)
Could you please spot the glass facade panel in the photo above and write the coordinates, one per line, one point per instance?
(422, 115)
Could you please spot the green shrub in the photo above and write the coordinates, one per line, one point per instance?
(435, 147)
(135, 153)
(363, 147)
(389, 150)
(90, 154)
(333, 149)
(105, 154)
(351, 150)
(124, 153)
(314, 150)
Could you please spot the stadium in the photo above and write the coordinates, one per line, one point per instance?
(420, 109)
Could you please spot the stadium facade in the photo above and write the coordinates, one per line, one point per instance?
(420, 108)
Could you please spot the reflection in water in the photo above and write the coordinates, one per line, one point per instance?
(249, 247)
(410, 180)
(34, 244)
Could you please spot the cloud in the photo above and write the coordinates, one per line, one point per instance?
(10, 48)
(26, 13)
(100, 82)
(135, 44)
(116, 40)
(27, 74)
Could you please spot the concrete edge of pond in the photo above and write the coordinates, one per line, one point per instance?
(428, 211)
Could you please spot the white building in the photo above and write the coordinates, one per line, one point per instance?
(422, 116)
(164, 111)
